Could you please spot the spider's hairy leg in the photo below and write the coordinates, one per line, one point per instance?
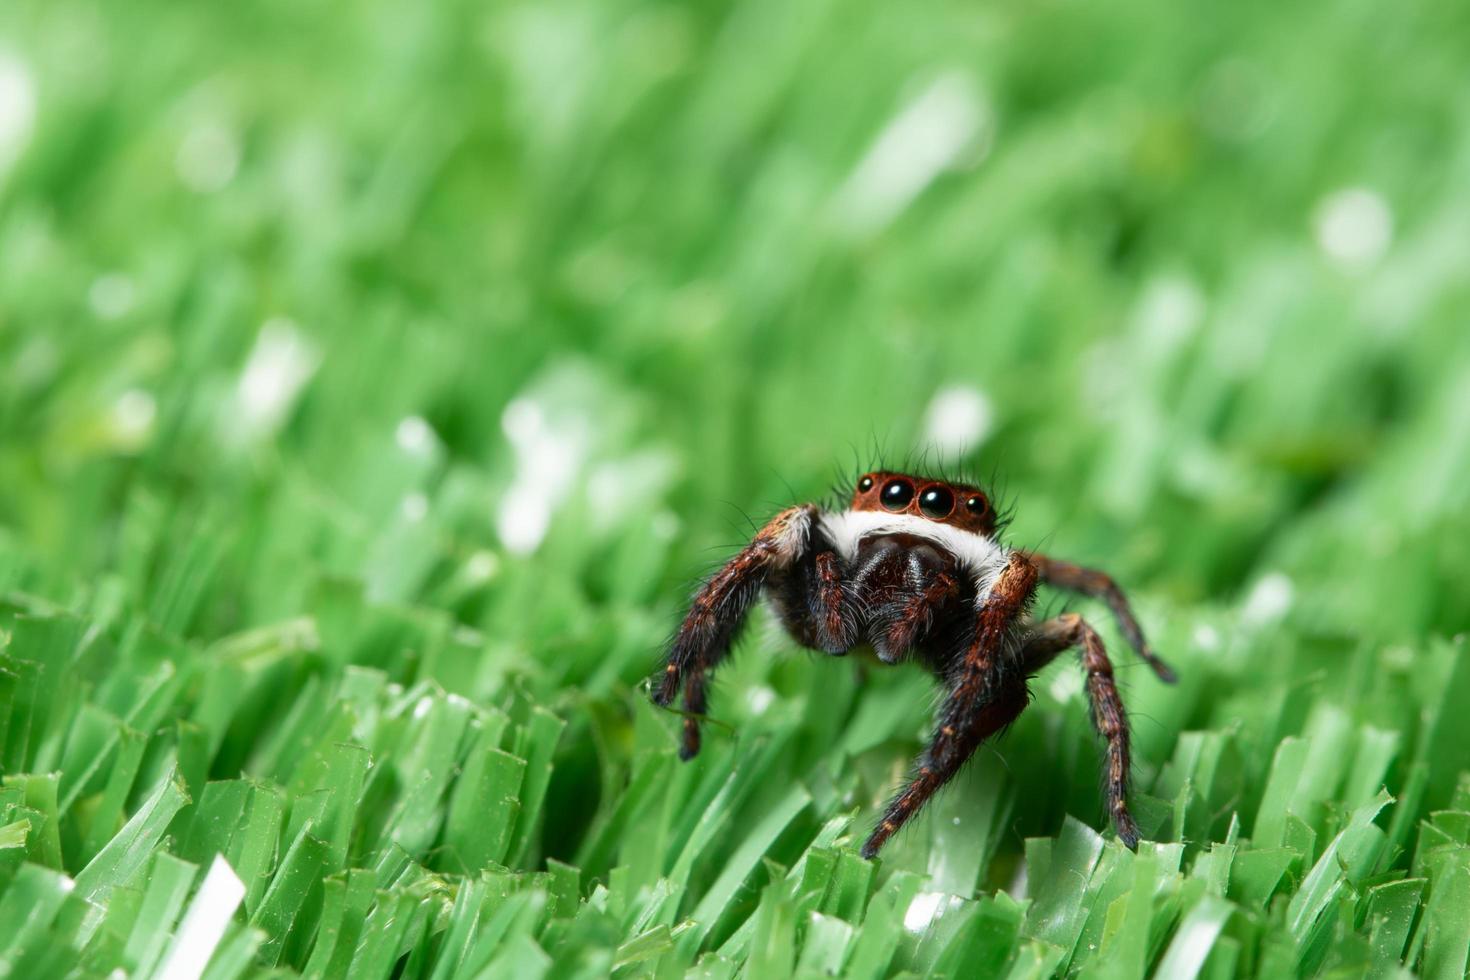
(829, 606)
(1100, 585)
(983, 698)
(940, 764)
(719, 608)
(1066, 632)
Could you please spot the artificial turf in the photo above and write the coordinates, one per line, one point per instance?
(376, 379)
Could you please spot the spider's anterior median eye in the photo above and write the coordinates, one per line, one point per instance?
(976, 504)
(865, 484)
(897, 494)
(936, 502)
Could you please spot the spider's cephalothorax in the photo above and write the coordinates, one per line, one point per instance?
(913, 568)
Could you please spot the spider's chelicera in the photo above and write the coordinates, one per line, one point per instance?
(914, 567)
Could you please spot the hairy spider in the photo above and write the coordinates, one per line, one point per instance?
(914, 566)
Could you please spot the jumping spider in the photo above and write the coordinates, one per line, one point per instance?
(914, 566)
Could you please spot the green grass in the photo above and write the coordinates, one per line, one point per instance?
(310, 314)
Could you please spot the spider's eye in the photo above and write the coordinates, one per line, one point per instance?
(897, 494)
(865, 484)
(936, 502)
(976, 504)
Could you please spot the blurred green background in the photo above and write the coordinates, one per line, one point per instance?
(364, 356)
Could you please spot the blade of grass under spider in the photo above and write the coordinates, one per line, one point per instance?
(643, 947)
(808, 882)
(965, 825)
(107, 937)
(27, 908)
(851, 885)
(428, 753)
(328, 787)
(1442, 940)
(1269, 829)
(542, 733)
(1123, 912)
(1035, 960)
(90, 743)
(296, 877)
(1392, 908)
(1376, 751)
(396, 919)
(644, 791)
(1205, 778)
(1256, 874)
(1213, 868)
(1122, 905)
(882, 928)
(38, 793)
(512, 915)
(384, 928)
(1058, 915)
(107, 815)
(463, 922)
(168, 885)
(43, 653)
(346, 898)
(254, 848)
(483, 806)
(740, 864)
(187, 572)
(151, 696)
(240, 820)
(936, 924)
(209, 917)
(520, 957)
(122, 857)
(1195, 937)
(235, 955)
(13, 835)
(754, 759)
(824, 947)
(983, 942)
(1345, 861)
(773, 937)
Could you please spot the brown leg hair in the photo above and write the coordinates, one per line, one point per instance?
(835, 627)
(1068, 631)
(977, 706)
(1099, 585)
(937, 768)
(718, 610)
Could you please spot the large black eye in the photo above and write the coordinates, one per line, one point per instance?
(976, 504)
(936, 502)
(865, 484)
(897, 494)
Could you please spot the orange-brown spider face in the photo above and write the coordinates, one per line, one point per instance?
(954, 504)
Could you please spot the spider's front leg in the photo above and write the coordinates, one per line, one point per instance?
(985, 696)
(1063, 633)
(718, 610)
